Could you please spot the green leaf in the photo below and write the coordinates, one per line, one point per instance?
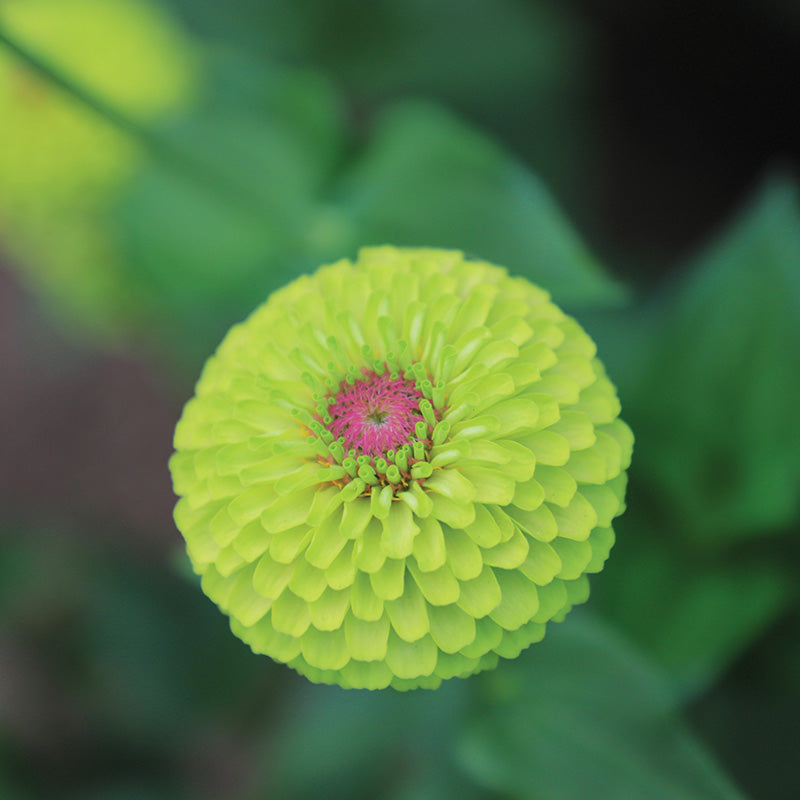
(709, 378)
(695, 612)
(205, 256)
(358, 743)
(429, 179)
(583, 715)
(715, 403)
(518, 69)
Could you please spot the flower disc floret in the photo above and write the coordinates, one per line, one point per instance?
(375, 413)
(398, 470)
(380, 425)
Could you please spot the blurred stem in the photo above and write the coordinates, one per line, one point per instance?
(160, 147)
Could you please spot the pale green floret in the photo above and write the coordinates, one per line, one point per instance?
(446, 552)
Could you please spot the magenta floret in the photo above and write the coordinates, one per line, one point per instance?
(376, 413)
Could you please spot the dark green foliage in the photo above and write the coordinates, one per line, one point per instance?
(589, 717)
(710, 378)
(295, 189)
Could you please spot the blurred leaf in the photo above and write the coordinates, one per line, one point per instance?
(428, 179)
(162, 658)
(77, 78)
(709, 376)
(120, 678)
(18, 562)
(715, 405)
(303, 103)
(355, 743)
(8, 788)
(755, 728)
(694, 611)
(436, 784)
(520, 70)
(583, 715)
(130, 789)
(455, 49)
(209, 257)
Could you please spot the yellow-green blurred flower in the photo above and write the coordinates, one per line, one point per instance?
(396, 471)
(61, 163)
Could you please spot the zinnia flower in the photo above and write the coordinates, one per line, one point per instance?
(397, 471)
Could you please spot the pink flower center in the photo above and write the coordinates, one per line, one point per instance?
(375, 414)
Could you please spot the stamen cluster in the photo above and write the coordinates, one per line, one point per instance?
(379, 426)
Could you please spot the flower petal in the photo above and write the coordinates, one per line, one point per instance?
(399, 531)
(411, 659)
(481, 595)
(325, 649)
(439, 587)
(520, 600)
(491, 485)
(429, 546)
(364, 603)
(367, 641)
(452, 628)
(388, 581)
(408, 614)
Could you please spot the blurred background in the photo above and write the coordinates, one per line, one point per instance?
(165, 165)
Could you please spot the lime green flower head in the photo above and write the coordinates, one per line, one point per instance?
(398, 470)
